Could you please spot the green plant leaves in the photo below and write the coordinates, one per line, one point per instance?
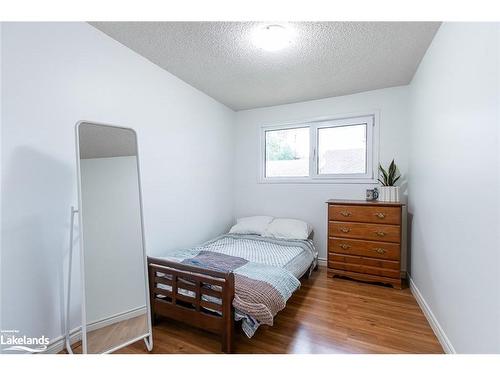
(389, 177)
(384, 175)
(392, 169)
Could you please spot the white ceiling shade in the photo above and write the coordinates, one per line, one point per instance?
(272, 37)
(322, 59)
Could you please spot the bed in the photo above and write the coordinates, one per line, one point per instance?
(233, 277)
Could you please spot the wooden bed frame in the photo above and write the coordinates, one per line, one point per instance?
(193, 310)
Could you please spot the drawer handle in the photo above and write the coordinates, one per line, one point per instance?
(380, 234)
(345, 213)
(345, 230)
(344, 246)
(380, 215)
(380, 250)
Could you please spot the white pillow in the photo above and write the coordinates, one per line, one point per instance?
(251, 225)
(288, 229)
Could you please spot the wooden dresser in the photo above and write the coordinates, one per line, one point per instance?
(364, 240)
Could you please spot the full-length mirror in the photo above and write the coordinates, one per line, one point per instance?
(116, 305)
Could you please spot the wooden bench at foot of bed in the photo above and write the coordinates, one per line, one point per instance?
(167, 278)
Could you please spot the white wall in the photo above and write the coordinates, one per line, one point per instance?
(1, 183)
(55, 74)
(114, 262)
(307, 201)
(454, 187)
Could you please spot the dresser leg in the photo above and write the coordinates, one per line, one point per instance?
(397, 285)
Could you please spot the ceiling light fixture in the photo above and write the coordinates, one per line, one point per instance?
(272, 37)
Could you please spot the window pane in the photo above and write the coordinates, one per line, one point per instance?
(287, 153)
(342, 150)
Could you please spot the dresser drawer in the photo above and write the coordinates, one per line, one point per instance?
(359, 268)
(372, 262)
(387, 233)
(373, 249)
(367, 214)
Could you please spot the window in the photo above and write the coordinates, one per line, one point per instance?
(340, 150)
(287, 152)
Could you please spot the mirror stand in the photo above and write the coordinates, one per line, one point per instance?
(148, 340)
(115, 302)
(67, 336)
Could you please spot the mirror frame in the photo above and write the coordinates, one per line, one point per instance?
(148, 337)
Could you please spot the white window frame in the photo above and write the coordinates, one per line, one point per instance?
(372, 149)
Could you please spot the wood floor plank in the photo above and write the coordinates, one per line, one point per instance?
(327, 315)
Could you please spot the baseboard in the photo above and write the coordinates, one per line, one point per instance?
(58, 344)
(431, 318)
(75, 334)
(322, 261)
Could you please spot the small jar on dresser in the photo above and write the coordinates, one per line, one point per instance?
(364, 240)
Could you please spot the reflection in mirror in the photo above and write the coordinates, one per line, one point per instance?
(113, 252)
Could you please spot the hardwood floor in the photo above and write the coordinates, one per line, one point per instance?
(325, 316)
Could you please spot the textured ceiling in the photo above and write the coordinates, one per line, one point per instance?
(325, 59)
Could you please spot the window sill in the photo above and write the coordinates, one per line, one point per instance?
(308, 180)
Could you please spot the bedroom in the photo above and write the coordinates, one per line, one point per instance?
(256, 138)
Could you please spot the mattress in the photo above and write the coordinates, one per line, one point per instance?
(296, 256)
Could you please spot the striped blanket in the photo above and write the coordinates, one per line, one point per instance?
(266, 272)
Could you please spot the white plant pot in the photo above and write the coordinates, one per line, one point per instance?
(388, 193)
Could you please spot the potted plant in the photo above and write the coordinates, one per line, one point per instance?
(388, 192)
